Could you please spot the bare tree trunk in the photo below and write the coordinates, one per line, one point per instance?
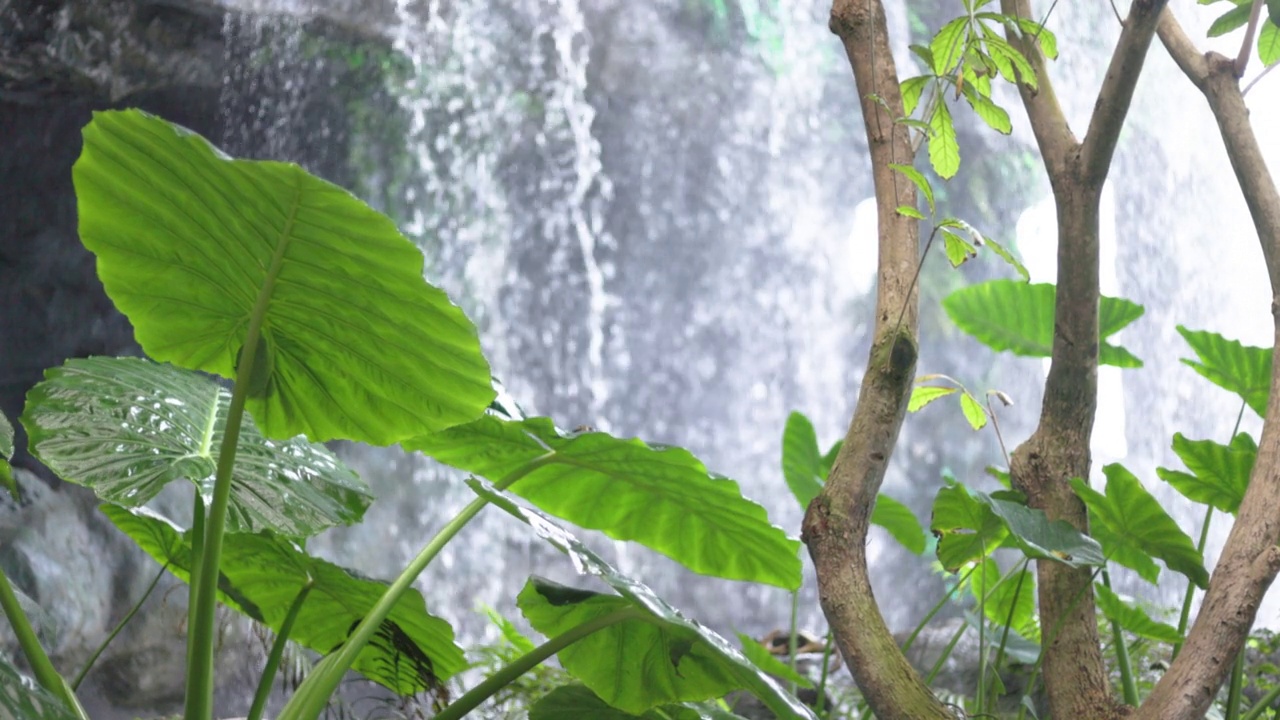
(1250, 558)
(836, 523)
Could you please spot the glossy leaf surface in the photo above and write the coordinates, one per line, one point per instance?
(126, 427)
(354, 343)
(261, 574)
(661, 497)
(25, 700)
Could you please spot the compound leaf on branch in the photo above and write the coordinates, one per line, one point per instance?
(1129, 516)
(1231, 365)
(126, 427)
(948, 46)
(918, 179)
(1018, 317)
(659, 496)
(191, 245)
(635, 665)
(1219, 473)
(260, 574)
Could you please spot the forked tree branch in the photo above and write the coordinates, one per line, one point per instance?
(1076, 680)
(836, 523)
(1250, 558)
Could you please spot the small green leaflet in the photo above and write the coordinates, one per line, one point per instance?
(944, 148)
(947, 47)
(957, 248)
(1008, 257)
(801, 459)
(996, 117)
(897, 518)
(918, 179)
(912, 89)
(922, 395)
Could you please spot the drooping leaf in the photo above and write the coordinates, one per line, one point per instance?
(918, 179)
(1040, 539)
(944, 148)
(260, 575)
(577, 702)
(912, 89)
(922, 395)
(1234, 18)
(509, 632)
(910, 212)
(1220, 474)
(190, 242)
(958, 250)
(996, 117)
(126, 427)
(1238, 368)
(659, 496)
(966, 528)
(1133, 619)
(801, 459)
(1004, 254)
(637, 664)
(23, 699)
(760, 656)
(1011, 63)
(1134, 518)
(897, 518)
(1018, 317)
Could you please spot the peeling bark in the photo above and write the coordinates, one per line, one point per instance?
(836, 523)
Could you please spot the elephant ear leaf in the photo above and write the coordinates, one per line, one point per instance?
(206, 255)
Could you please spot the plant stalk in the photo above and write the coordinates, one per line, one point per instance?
(1237, 682)
(75, 684)
(277, 651)
(43, 669)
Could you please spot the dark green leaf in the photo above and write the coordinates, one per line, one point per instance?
(1241, 369)
(901, 523)
(1133, 619)
(6, 452)
(1234, 18)
(1018, 317)
(661, 497)
(922, 395)
(127, 427)
(638, 664)
(1220, 473)
(912, 89)
(1040, 539)
(760, 656)
(22, 699)
(261, 574)
(958, 249)
(801, 459)
(1134, 518)
(924, 54)
(1011, 63)
(966, 528)
(189, 243)
(1007, 600)
(944, 149)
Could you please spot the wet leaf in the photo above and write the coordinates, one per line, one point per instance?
(126, 427)
(190, 242)
(261, 574)
(760, 656)
(922, 395)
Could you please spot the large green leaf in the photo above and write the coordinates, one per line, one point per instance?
(801, 459)
(897, 518)
(1040, 539)
(760, 656)
(659, 496)
(127, 427)
(1018, 317)
(1220, 474)
(354, 344)
(1239, 368)
(1132, 518)
(577, 702)
(635, 665)
(261, 574)
(966, 528)
(22, 699)
(1133, 619)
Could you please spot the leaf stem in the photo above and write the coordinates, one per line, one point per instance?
(1123, 664)
(75, 684)
(277, 651)
(43, 669)
(523, 664)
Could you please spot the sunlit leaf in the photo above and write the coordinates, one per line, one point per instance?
(126, 427)
(801, 459)
(910, 212)
(1134, 518)
(918, 179)
(354, 345)
(897, 518)
(973, 411)
(1234, 18)
(1018, 317)
(947, 47)
(1219, 474)
(637, 664)
(1133, 619)
(260, 574)
(966, 528)
(922, 395)
(509, 632)
(944, 149)
(659, 496)
(1011, 63)
(1241, 369)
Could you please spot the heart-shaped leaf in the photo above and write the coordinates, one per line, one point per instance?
(637, 664)
(1018, 317)
(966, 528)
(897, 518)
(760, 656)
(801, 459)
(1220, 474)
(1133, 619)
(126, 427)
(659, 496)
(261, 574)
(1128, 516)
(191, 245)
(1239, 368)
